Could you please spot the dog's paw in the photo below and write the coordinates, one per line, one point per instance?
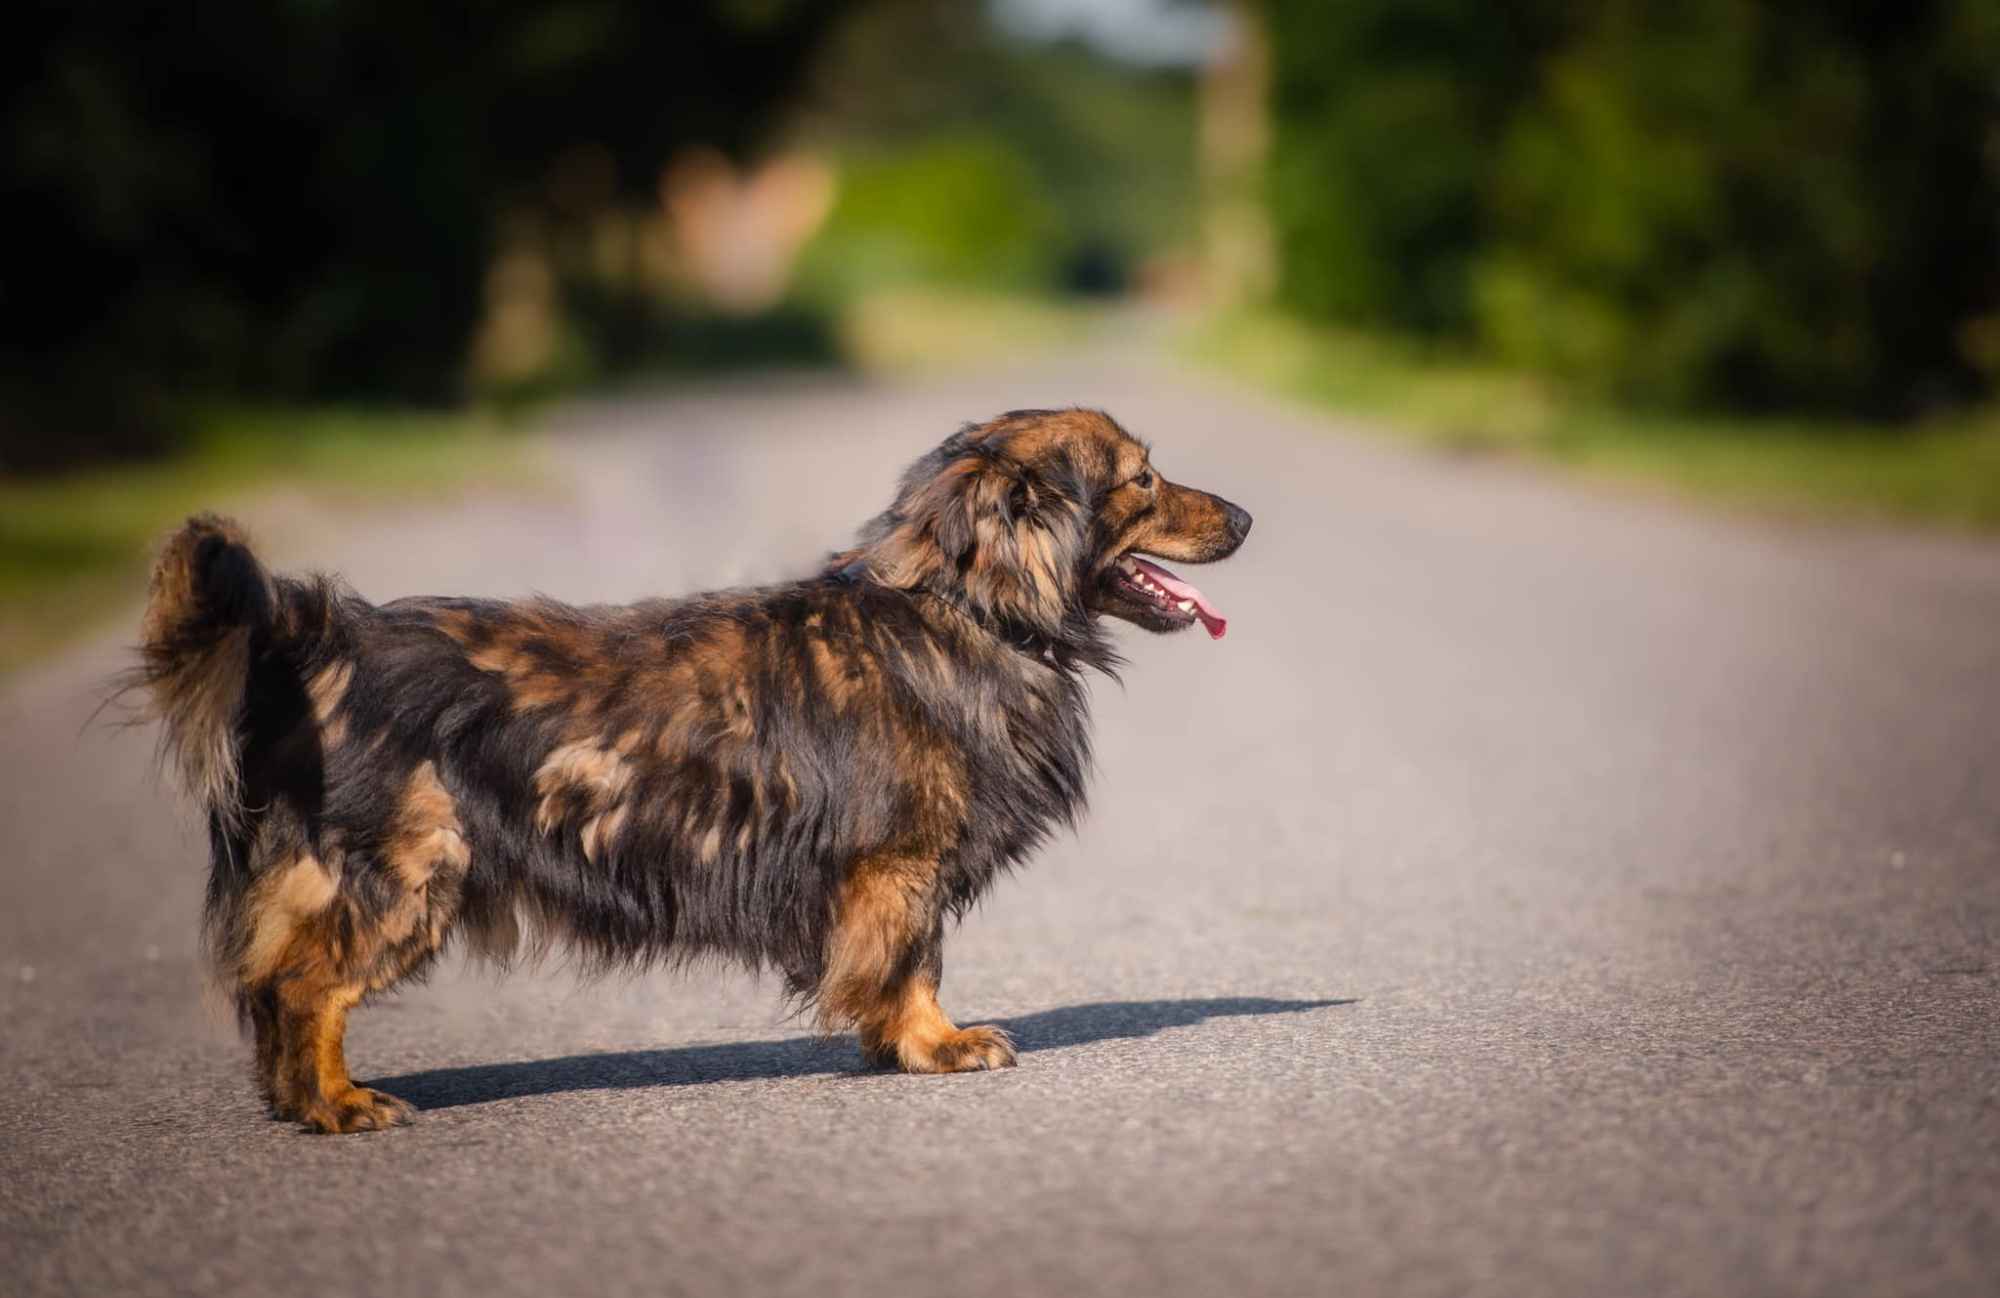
(967, 1050)
(357, 1109)
(972, 1050)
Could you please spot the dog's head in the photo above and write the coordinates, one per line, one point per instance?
(1041, 517)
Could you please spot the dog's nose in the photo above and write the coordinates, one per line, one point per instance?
(1239, 522)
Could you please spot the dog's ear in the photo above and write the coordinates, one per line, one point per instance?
(975, 523)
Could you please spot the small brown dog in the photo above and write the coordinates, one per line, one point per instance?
(812, 777)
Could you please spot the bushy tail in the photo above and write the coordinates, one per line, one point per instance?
(211, 601)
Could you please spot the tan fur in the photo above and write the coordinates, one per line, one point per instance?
(680, 712)
(195, 687)
(578, 781)
(916, 1035)
(964, 526)
(600, 832)
(309, 1079)
(530, 657)
(843, 672)
(1183, 524)
(280, 905)
(878, 917)
(427, 834)
(787, 784)
(198, 706)
(881, 913)
(527, 682)
(426, 843)
(327, 690)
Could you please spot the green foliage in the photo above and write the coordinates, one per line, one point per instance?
(1387, 116)
(959, 148)
(963, 210)
(1679, 202)
(1114, 147)
(1759, 205)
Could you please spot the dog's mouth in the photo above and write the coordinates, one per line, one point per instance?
(1162, 599)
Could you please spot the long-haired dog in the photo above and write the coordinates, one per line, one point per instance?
(811, 777)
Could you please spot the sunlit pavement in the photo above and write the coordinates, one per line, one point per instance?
(1540, 890)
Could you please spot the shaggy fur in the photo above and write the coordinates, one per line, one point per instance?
(812, 777)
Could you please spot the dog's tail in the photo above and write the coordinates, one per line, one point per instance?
(211, 605)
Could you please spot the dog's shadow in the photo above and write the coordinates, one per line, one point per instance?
(1075, 1025)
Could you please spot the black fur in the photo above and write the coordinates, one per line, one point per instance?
(1018, 714)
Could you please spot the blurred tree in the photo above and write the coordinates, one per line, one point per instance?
(1757, 203)
(979, 159)
(955, 209)
(1387, 121)
(1791, 204)
(300, 197)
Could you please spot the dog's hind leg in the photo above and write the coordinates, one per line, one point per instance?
(274, 1080)
(884, 960)
(303, 953)
(386, 921)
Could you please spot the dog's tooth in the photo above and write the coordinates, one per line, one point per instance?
(1186, 606)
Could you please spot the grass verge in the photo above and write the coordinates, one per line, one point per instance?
(74, 547)
(1941, 471)
(915, 330)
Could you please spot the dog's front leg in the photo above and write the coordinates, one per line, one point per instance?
(314, 1087)
(884, 959)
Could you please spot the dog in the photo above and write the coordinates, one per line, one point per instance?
(811, 777)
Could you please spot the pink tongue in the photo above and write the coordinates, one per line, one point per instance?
(1217, 624)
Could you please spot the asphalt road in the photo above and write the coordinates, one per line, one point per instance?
(1541, 890)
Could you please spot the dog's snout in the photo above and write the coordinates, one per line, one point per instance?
(1239, 522)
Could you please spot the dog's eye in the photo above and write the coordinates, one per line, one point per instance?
(1144, 480)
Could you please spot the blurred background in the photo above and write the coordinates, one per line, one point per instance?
(1747, 250)
(1577, 872)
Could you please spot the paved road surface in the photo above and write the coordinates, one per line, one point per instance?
(1539, 891)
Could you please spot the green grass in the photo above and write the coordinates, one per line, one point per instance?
(74, 547)
(914, 330)
(1943, 471)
